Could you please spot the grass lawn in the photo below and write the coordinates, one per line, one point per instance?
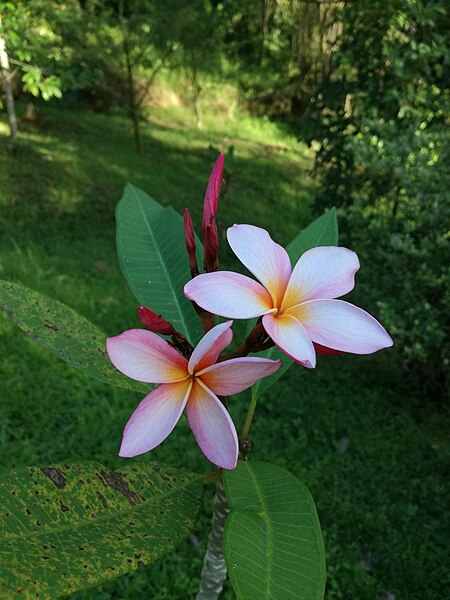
(375, 461)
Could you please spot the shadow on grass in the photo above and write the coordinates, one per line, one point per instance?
(57, 229)
(70, 172)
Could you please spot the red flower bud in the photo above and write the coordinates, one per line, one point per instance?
(189, 240)
(209, 226)
(213, 191)
(154, 322)
(211, 243)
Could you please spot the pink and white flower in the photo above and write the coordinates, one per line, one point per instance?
(192, 384)
(298, 306)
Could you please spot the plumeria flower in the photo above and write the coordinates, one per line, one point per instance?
(192, 384)
(298, 306)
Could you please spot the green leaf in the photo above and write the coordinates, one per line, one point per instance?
(321, 232)
(150, 244)
(272, 541)
(69, 527)
(64, 332)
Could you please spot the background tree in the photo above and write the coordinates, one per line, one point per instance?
(382, 121)
(9, 98)
(30, 46)
(281, 50)
(195, 33)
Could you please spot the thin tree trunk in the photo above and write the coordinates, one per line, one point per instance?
(4, 64)
(30, 113)
(132, 105)
(131, 94)
(197, 92)
(214, 571)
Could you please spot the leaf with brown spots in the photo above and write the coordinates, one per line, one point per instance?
(68, 527)
(64, 332)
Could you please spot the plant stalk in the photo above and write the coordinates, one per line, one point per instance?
(214, 571)
(249, 416)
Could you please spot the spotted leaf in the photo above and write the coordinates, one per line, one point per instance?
(64, 332)
(68, 527)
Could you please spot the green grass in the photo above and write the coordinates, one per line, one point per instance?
(374, 461)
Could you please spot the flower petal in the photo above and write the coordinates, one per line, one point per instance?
(324, 350)
(229, 295)
(342, 326)
(321, 273)
(212, 427)
(291, 338)
(210, 346)
(154, 418)
(267, 260)
(144, 356)
(237, 374)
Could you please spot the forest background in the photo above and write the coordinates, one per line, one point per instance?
(316, 103)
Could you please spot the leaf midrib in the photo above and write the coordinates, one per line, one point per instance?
(329, 214)
(169, 279)
(269, 531)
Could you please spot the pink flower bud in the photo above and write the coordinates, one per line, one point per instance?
(154, 322)
(189, 240)
(209, 226)
(211, 244)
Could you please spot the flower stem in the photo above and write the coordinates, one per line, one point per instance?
(249, 417)
(256, 341)
(207, 321)
(214, 571)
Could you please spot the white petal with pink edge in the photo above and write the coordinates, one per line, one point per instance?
(212, 427)
(154, 418)
(144, 356)
(342, 326)
(267, 260)
(321, 273)
(229, 294)
(210, 346)
(291, 338)
(237, 374)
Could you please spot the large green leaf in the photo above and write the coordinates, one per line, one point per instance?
(64, 332)
(272, 542)
(321, 232)
(150, 244)
(68, 527)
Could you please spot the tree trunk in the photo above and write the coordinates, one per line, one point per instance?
(214, 571)
(197, 91)
(132, 107)
(30, 113)
(4, 64)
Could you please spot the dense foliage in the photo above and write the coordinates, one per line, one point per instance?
(382, 121)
